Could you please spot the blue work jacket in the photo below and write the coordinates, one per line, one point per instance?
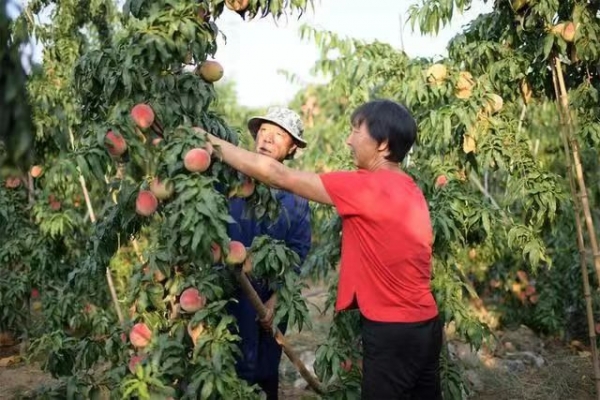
(261, 354)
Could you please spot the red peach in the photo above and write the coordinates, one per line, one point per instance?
(196, 160)
(140, 335)
(134, 361)
(191, 300)
(441, 181)
(246, 189)
(161, 189)
(236, 254)
(142, 115)
(12, 182)
(36, 171)
(146, 203)
(115, 143)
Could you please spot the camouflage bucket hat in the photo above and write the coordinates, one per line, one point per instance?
(285, 118)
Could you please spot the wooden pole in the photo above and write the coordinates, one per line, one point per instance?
(585, 204)
(279, 338)
(565, 121)
(90, 209)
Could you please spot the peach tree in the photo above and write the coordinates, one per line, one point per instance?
(124, 232)
(489, 158)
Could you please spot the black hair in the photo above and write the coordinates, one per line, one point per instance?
(388, 121)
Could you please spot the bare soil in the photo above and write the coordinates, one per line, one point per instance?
(566, 374)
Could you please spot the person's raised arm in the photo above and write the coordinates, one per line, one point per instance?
(272, 172)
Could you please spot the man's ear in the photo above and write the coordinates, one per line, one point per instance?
(292, 149)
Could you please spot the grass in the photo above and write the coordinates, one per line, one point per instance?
(564, 376)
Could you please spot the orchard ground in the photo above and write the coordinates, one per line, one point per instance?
(521, 366)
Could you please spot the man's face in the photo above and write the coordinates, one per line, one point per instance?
(273, 141)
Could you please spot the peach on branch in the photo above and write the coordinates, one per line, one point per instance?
(245, 189)
(472, 254)
(36, 171)
(210, 71)
(12, 182)
(134, 361)
(237, 5)
(494, 104)
(115, 143)
(142, 115)
(441, 181)
(140, 335)
(236, 254)
(55, 204)
(464, 85)
(191, 300)
(196, 160)
(568, 32)
(161, 189)
(146, 203)
(436, 74)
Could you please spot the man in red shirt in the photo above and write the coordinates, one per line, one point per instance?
(387, 243)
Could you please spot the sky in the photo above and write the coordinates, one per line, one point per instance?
(256, 50)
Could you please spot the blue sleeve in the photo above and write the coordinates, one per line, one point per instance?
(299, 237)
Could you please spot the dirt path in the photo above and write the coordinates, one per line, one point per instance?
(566, 372)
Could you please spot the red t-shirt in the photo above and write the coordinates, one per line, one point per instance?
(387, 241)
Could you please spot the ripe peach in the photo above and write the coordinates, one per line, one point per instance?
(472, 254)
(115, 143)
(494, 104)
(465, 81)
(191, 300)
(236, 254)
(146, 203)
(54, 203)
(161, 189)
(196, 160)
(237, 5)
(436, 74)
(36, 171)
(246, 189)
(530, 290)
(140, 335)
(142, 115)
(210, 71)
(441, 181)
(568, 32)
(346, 365)
(134, 361)
(12, 182)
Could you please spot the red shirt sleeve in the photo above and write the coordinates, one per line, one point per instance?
(344, 187)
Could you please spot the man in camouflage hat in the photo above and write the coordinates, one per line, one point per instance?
(278, 135)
